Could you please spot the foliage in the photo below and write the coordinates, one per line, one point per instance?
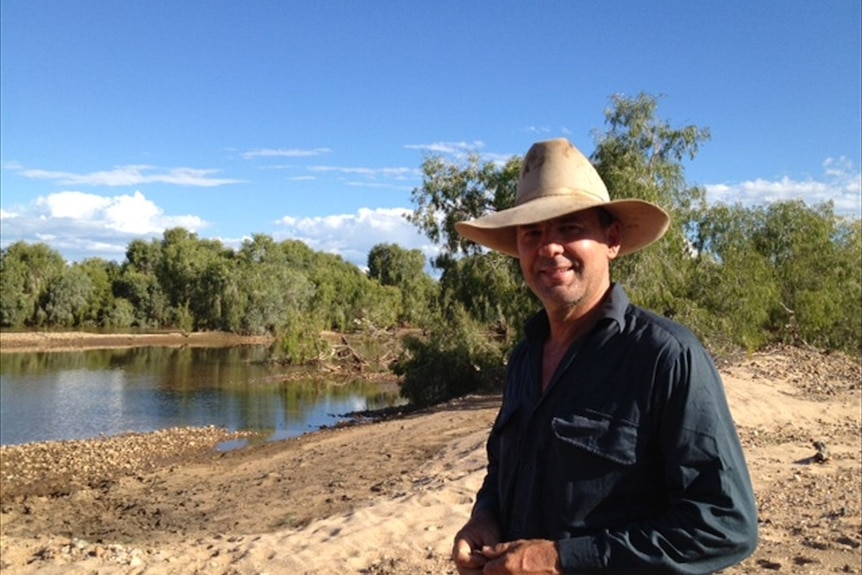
(641, 156)
(456, 358)
(817, 260)
(26, 271)
(455, 191)
(489, 288)
(391, 265)
(300, 342)
(732, 286)
(183, 282)
(66, 297)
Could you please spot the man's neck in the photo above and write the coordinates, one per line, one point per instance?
(571, 324)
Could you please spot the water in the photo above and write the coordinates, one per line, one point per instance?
(85, 394)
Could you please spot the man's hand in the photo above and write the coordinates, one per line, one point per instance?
(481, 532)
(523, 557)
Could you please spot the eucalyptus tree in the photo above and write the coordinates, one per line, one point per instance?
(733, 287)
(180, 268)
(456, 190)
(640, 155)
(102, 274)
(391, 265)
(26, 270)
(459, 189)
(66, 297)
(274, 292)
(489, 287)
(139, 285)
(817, 259)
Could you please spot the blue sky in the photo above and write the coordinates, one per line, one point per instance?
(310, 120)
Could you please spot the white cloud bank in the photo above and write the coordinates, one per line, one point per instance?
(841, 184)
(81, 225)
(353, 235)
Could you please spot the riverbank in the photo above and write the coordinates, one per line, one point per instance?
(71, 341)
(386, 497)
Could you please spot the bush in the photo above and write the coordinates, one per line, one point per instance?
(300, 341)
(456, 359)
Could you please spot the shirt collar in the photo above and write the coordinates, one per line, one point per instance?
(613, 308)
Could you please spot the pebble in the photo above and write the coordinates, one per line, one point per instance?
(62, 467)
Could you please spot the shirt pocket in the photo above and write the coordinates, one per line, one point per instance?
(611, 440)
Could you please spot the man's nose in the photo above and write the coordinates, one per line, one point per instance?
(550, 246)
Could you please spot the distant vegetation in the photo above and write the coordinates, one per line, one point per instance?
(740, 277)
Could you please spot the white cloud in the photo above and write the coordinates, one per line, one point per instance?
(132, 175)
(88, 225)
(448, 147)
(284, 153)
(841, 183)
(353, 235)
(393, 173)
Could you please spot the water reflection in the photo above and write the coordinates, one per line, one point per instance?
(77, 395)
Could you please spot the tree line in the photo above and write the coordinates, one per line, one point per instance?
(740, 277)
(183, 282)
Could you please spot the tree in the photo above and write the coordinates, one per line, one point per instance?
(732, 286)
(102, 275)
(25, 272)
(641, 156)
(276, 294)
(66, 297)
(453, 191)
(490, 288)
(816, 258)
(180, 267)
(392, 265)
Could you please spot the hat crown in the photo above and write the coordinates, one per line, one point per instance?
(556, 167)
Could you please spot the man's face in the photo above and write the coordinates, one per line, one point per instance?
(566, 261)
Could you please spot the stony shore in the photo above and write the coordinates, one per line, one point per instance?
(60, 468)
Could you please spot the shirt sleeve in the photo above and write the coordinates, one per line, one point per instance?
(711, 520)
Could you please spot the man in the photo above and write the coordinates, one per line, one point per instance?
(614, 450)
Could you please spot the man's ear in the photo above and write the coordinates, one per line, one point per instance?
(614, 237)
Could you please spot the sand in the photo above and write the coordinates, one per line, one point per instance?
(386, 497)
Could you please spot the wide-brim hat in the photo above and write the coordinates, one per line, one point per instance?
(557, 179)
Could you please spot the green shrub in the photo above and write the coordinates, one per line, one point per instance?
(455, 359)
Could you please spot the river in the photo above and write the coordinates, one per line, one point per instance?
(84, 394)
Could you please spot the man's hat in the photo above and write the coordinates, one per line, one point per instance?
(557, 179)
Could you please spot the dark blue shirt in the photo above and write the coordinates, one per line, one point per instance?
(630, 460)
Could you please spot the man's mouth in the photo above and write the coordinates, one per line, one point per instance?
(555, 272)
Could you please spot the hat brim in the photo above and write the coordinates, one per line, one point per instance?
(642, 223)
